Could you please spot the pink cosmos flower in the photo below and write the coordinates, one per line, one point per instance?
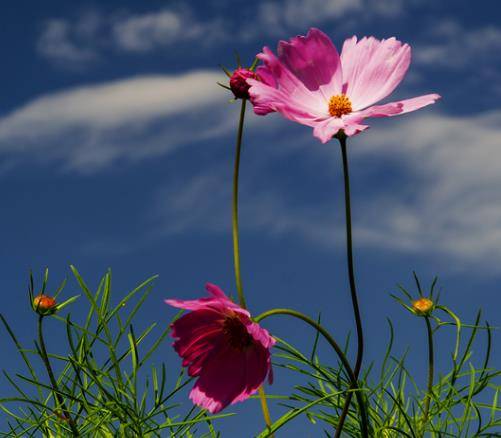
(311, 84)
(223, 347)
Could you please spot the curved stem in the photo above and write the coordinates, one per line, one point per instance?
(236, 241)
(53, 381)
(236, 173)
(431, 367)
(351, 274)
(342, 357)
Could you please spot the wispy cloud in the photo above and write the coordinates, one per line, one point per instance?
(89, 127)
(70, 44)
(90, 36)
(75, 42)
(452, 45)
(153, 30)
(447, 201)
(289, 15)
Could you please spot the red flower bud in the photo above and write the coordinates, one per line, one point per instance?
(44, 305)
(238, 82)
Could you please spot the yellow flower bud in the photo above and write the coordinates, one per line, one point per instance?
(423, 306)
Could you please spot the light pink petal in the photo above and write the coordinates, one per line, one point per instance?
(266, 99)
(353, 128)
(386, 110)
(392, 108)
(326, 129)
(372, 69)
(314, 60)
(416, 103)
(353, 121)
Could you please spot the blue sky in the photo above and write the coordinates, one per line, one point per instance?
(116, 150)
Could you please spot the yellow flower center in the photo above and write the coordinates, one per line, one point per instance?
(339, 105)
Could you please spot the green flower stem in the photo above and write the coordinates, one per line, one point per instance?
(236, 240)
(57, 394)
(351, 273)
(431, 367)
(236, 173)
(346, 364)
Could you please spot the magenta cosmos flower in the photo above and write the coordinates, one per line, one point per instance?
(223, 347)
(311, 84)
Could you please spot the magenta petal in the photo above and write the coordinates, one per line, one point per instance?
(372, 69)
(257, 366)
(189, 324)
(220, 344)
(216, 291)
(260, 334)
(230, 376)
(280, 89)
(314, 60)
(217, 301)
(222, 379)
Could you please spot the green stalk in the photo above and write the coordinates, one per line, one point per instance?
(339, 351)
(236, 173)
(351, 274)
(431, 367)
(57, 394)
(236, 242)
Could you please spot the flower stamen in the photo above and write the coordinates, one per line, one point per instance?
(339, 105)
(236, 333)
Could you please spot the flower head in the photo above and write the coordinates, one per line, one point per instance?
(310, 83)
(44, 305)
(422, 306)
(238, 82)
(223, 347)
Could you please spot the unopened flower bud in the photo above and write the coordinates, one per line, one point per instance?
(238, 82)
(44, 305)
(423, 306)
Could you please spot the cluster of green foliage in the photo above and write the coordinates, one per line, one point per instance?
(461, 403)
(104, 384)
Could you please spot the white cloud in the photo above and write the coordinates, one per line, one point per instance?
(144, 32)
(92, 35)
(446, 201)
(93, 126)
(76, 42)
(280, 18)
(452, 45)
(66, 44)
(276, 17)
